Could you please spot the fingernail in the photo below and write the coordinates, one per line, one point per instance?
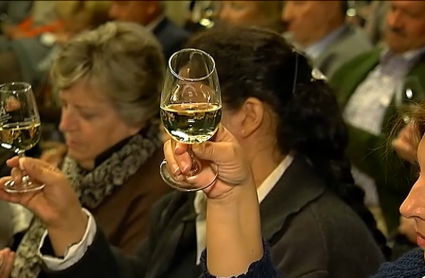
(21, 163)
(184, 167)
(176, 169)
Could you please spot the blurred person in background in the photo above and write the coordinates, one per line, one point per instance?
(318, 28)
(375, 24)
(368, 90)
(42, 18)
(113, 144)
(151, 14)
(14, 12)
(265, 14)
(25, 45)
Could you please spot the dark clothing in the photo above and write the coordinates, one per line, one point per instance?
(171, 37)
(411, 265)
(312, 233)
(260, 269)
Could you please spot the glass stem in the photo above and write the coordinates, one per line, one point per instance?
(196, 164)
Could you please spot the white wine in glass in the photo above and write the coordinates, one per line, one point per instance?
(19, 128)
(190, 108)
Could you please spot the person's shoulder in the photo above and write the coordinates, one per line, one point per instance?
(173, 30)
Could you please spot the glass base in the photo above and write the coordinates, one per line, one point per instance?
(182, 185)
(23, 187)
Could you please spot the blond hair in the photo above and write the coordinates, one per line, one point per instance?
(121, 60)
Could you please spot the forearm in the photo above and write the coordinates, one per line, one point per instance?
(233, 235)
(72, 232)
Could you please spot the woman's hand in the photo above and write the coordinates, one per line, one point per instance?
(6, 262)
(407, 142)
(56, 204)
(233, 218)
(223, 152)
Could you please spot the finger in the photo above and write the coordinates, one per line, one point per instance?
(8, 265)
(13, 162)
(405, 150)
(221, 149)
(5, 253)
(181, 156)
(16, 174)
(223, 135)
(172, 165)
(41, 171)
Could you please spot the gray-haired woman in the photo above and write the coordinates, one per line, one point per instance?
(109, 81)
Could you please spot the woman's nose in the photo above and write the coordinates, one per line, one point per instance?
(414, 204)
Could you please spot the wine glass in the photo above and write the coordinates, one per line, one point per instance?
(19, 128)
(190, 109)
(410, 93)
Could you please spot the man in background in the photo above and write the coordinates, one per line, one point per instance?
(152, 15)
(369, 90)
(318, 28)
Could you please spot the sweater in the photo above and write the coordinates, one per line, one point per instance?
(259, 269)
(411, 265)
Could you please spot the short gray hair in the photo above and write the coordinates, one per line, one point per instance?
(123, 60)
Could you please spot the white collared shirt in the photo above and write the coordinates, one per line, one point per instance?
(262, 191)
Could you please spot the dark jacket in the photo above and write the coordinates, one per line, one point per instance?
(312, 233)
(171, 37)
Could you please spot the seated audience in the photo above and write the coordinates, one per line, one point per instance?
(14, 12)
(42, 18)
(265, 14)
(114, 149)
(367, 89)
(294, 138)
(151, 14)
(318, 28)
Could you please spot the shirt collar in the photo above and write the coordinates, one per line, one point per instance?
(272, 179)
(409, 56)
(314, 50)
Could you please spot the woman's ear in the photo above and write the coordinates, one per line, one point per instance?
(253, 111)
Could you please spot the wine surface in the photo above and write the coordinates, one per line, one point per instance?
(191, 123)
(21, 136)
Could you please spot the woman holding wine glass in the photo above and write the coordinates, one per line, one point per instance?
(292, 134)
(109, 81)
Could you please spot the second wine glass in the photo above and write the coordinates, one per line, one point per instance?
(190, 109)
(19, 128)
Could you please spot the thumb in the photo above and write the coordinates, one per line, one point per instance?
(40, 170)
(217, 152)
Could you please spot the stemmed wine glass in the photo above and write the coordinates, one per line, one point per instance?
(19, 128)
(410, 93)
(190, 109)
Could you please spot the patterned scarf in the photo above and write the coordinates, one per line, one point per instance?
(92, 187)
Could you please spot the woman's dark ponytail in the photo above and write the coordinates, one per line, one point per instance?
(309, 121)
(312, 126)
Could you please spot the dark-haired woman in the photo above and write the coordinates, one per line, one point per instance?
(294, 138)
